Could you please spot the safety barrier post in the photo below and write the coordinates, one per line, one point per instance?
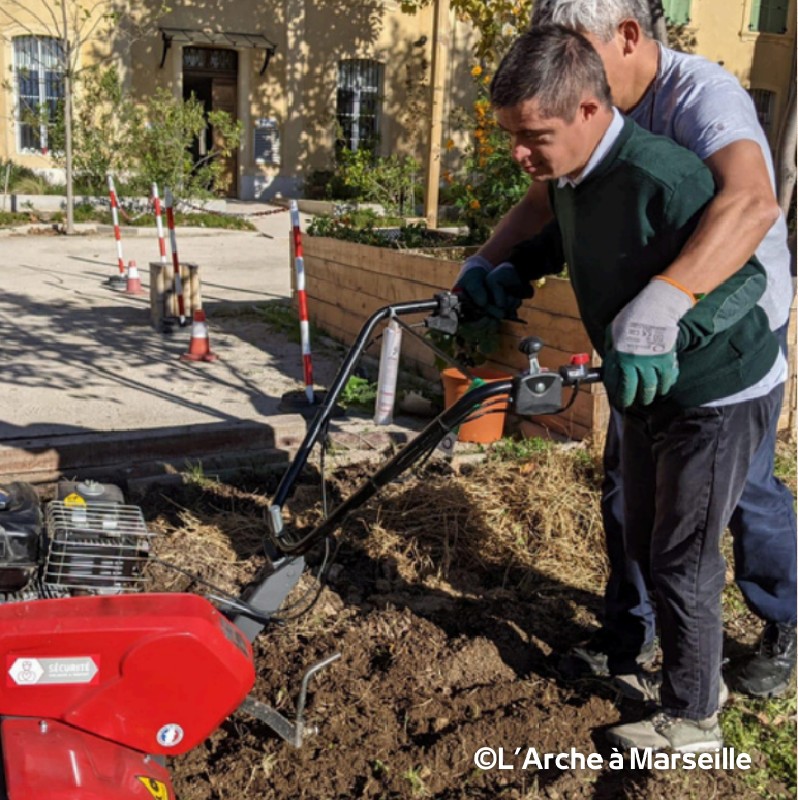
(116, 280)
(304, 324)
(178, 282)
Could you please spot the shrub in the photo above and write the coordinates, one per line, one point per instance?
(413, 236)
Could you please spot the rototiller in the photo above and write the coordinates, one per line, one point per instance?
(102, 680)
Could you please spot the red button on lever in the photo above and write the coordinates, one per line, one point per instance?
(580, 359)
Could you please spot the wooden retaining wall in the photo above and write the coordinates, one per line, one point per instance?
(348, 282)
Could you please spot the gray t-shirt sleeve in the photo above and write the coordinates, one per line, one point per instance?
(715, 115)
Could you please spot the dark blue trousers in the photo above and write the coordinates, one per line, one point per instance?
(690, 466)
(763, 526)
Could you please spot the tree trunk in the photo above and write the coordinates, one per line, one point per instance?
(70, 196)
(658, 21)
(440, 49)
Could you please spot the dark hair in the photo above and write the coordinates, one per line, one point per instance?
(554, 65)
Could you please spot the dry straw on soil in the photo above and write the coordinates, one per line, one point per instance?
(519, 517)
(534, 514)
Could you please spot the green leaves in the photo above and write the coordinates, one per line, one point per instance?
(112, 133)
(391, 182)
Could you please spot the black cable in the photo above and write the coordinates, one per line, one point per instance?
(235, 602)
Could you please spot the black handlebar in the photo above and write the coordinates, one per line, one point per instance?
(535, 392)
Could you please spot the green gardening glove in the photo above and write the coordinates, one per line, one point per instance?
(640, 363)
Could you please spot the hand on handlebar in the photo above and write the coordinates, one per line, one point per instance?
(507, 290)
(471, 282)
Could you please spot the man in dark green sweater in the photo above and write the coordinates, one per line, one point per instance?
(690, 374)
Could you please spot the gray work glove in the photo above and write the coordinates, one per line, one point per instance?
(471, 280)
(641, 363)
(507, 290)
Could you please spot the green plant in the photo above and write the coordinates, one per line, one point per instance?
(491, 182)
(8, 218)
(30, 185)
(417, 786)
(164, 142)
(413, 236)
(194, 473)
(358, 392)
(15, 173)
(520, 449)
(470, 346)
(765, 729)
(391, 181)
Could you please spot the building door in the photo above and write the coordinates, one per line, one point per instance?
(211, 75)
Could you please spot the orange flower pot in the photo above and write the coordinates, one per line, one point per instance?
(488, 427)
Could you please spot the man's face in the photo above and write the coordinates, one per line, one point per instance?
(617, 69)
(549, 147)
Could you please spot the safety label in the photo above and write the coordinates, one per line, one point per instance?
(156, 788)
(170, 735)
(38, 671)
(74, 500)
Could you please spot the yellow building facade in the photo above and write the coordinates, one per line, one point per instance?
(299, 75)
(754, 39)
(303, 74)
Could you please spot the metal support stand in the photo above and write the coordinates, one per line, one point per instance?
(291, 732)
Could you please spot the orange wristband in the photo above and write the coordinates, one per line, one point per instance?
(676, 285)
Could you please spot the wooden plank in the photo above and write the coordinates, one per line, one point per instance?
(553, 427)
(383, 260)
(124, 452)
(556, 296)
(341, 280)
(347, 283)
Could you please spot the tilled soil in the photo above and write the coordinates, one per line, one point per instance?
(435, 665)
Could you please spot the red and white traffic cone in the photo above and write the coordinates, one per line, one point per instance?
(133, 279)
(199, 348)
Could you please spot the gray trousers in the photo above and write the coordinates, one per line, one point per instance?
(684, 473)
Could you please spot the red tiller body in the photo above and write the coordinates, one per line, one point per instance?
(48, 760)
(156, 673)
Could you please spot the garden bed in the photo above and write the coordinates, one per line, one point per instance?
(448, 599)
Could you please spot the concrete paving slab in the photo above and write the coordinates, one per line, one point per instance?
(87, 382)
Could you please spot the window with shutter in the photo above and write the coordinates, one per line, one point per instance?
(764, 102)
(39, 86)
(358, 103)
(769, 16)
(677, 12)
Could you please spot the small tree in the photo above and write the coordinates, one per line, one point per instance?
(164, 141)
(104, 131)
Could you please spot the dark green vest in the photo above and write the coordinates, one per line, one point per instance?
(626, 222)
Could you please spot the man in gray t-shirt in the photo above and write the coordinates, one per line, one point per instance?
(704, 108)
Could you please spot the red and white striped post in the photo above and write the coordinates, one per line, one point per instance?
(156, 201)
(178, 282)
(115, 217)
(304, 325)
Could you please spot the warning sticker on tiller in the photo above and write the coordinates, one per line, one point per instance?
(25, 671)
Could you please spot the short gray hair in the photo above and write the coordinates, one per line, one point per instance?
(598, 17)
(553, 65)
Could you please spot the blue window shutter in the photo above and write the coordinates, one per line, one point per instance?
(769, 16)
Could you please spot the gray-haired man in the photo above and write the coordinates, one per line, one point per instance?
(704, 108)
